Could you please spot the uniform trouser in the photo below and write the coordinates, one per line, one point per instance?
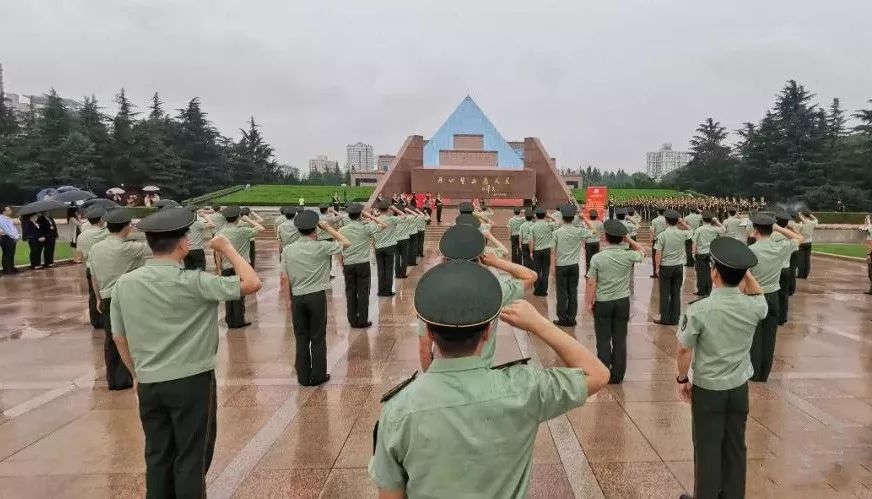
(653, 254)
(783, 295)
(763, 345)
(804, 266)
(542, 266)
(35, 252)
(234, 310)
(7, 244)
(566, 282)
(703, 274)
(195, 259)
(48, 249)
(384, 262)
(688, 252)
(94, 315)
(718, 421)
(671, 278)
(794, 269)
(117, 375)
(516, 248)
(439, 214)
(590, 249)
(869, 271)
(412, 250)
(421, 235)
(401, 258)
(178, 419)
(527, 257)
(357, 282)
(610, 320)
(252, 252)
(309, 316)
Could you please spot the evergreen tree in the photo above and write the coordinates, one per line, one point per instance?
(252, 159)
(865, 118)
(92, 124)
(156, 111)
(8, 123)
(122, 141)
(708, 143)
(202, 156)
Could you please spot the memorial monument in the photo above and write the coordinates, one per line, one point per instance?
(468, 158)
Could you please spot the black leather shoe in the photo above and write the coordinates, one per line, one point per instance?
(363, 326)
(660, 322)
(316, 383)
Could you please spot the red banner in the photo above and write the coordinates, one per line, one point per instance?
(596, 198)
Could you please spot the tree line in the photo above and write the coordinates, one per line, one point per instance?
(616, 180)
(798, 152)
(182, 153)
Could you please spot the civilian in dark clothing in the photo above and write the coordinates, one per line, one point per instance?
(47, 230)
(30, 233)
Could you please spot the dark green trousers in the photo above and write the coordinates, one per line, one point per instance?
(309, 316)
(783, 295)
(566, 282)
(719, 450)
(234, 310)
(178, 418)
(610, 320)
(804, 261)
(703, 274)
(590, 249)
(763, 345)
(688, 253)
(671, 277)
(117, 375)
(93, 314)
(401, 258)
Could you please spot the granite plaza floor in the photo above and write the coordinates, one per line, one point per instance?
(62, 434)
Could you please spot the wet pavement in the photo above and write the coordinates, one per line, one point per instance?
(63, 434)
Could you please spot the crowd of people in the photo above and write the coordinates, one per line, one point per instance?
(151, 293)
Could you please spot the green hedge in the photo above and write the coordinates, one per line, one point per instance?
(619, 194)
(837, 217)
(274, 195)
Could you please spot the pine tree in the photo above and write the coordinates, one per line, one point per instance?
(865, 118)
(92, 124)
(252, 157)
(156, 109)
(122, 141)
(708, 144)
(202, 156)
(8, 123)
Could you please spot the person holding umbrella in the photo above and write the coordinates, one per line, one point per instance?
(47, 230)
(30, 233)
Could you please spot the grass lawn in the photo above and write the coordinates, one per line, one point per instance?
(22, 252)
(266, 195)
(620, 194)
(857, 250)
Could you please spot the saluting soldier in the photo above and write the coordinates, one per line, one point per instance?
(240, 237)
(732, 225)
(636, 220)
(95, 233)
(501, 409)
(693, 220)
(217, 219)
(463, 242)
(541, 242)
(524, 236)
(355, 263)
(401, 259)
(307, 266)
(250, 218)
(165, 322)
(608, 296)
(658, 225)
(109, 259)
(568, 239)
(703, 236)
(287, 232)
(514, 225)
(422, 220)
(592, 245)
(669, 266)
(386, 247)
(786, 280)
(770, 258)
(808, 223)
(196, 255)
(715, 340)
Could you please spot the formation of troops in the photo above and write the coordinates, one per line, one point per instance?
(151, 293)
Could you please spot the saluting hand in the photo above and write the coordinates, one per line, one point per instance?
(220, 243)
(521, 314)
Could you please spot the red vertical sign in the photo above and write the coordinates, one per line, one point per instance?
(596, 198)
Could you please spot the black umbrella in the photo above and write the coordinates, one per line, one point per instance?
(40, 206)
(166, 203)
(101, 202)
(73, 196)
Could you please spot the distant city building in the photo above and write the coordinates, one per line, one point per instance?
(666, 160)
(360, 158)
(321, 164)
(385, 161)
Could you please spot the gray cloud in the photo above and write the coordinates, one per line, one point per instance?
(600, 83)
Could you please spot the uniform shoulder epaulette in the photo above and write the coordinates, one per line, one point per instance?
(397, 389)
(512, 363)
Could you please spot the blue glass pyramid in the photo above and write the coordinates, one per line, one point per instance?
(468, 118)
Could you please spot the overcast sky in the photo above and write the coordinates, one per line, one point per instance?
(599, 82)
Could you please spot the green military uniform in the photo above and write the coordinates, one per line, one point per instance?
(670, 244)
(88, 238)
(434, 430)
(733, 228)
(787, 279)
(385, 250)
(568, 239)
(218, 222)
(288, 233)
(703, 237)
(169, 318)
(196, 257)
(401, 258)
(771, 255)
(720, 368)
(542, 235)
(108, 260)
(806, 228)
(658, 225)
(307, 265)
(356, 267)
(693, 220)
(592, 245)
(514, 225)
(240, 238)
(524, 236)
(611, 270)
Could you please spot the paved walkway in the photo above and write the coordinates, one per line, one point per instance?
(62, 434)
